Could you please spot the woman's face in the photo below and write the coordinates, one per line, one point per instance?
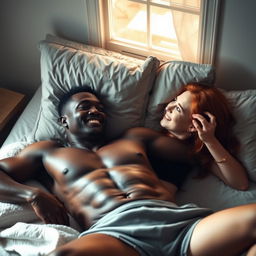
(177, 117)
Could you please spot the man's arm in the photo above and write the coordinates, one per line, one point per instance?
(16, 170)
(160, 145)
(11, 190)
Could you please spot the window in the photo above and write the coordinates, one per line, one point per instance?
(169, 29)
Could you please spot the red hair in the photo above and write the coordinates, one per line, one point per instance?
(210, 99)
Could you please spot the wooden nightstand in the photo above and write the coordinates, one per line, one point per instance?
(11, 104)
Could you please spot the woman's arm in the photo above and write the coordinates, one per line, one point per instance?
(226, 167)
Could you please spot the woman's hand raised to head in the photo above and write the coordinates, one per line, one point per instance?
(205, 126)
(226, 166)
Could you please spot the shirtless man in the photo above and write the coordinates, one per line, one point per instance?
(100, 183)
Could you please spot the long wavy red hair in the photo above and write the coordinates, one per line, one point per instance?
(210, 99)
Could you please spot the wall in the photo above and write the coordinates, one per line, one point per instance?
(235, 53)
(24, 23)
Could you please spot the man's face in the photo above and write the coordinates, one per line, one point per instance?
(84, 115)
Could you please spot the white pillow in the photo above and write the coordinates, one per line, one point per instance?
(123, 82)
(171, 77)
(244, 109)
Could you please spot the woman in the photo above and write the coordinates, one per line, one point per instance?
(201, 114)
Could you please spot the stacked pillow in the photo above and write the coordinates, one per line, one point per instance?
(123, 82)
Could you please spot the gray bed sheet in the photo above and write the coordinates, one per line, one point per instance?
(26, 121)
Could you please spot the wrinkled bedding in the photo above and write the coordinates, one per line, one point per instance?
(34, 239)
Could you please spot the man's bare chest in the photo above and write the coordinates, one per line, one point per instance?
(69, 164)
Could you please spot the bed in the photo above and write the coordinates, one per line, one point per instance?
(134, 92)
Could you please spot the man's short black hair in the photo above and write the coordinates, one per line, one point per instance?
(72, 91)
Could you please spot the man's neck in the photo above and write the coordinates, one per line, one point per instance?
(92, 144)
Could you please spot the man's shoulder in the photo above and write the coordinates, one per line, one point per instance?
(142, 133)
(40, 147)
(159, 144)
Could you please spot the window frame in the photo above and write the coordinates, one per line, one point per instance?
(208, 30)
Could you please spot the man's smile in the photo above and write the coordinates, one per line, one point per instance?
(94, 121)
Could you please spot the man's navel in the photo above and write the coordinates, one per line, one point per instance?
(65, 171)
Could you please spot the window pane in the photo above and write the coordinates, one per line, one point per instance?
(163, 32)
(166, 28)
(175, 32)
(187, 30)
(129, 22)
(195, 4)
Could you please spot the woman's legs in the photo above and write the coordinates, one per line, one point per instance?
(225, 233)
(95, 245)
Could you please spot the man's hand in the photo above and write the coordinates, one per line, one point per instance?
(49, 209)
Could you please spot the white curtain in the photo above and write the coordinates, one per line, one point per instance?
(187, 31)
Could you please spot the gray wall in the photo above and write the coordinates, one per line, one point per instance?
(236, 45)
(23, 23)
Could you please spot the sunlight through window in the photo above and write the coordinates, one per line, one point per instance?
(169, 29)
